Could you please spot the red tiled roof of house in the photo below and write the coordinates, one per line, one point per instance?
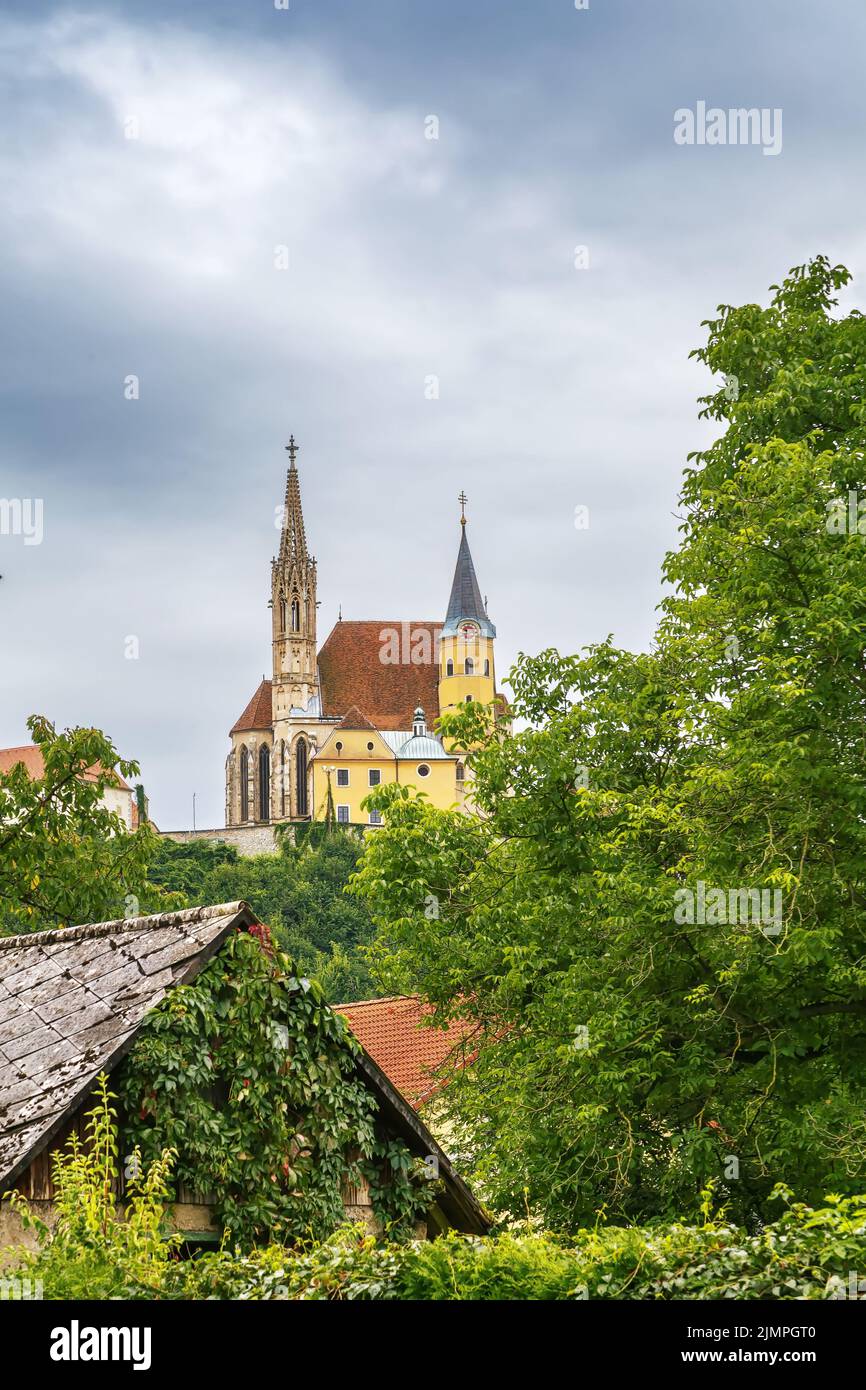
(409, 1053)
(352, 672)
(354, 719)
(30, 754)
(258, 713)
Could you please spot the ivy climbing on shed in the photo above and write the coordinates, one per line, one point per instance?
(251, 1078)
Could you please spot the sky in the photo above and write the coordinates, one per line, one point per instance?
(448, 246)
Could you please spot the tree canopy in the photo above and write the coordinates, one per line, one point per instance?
(299, 892)
(65, 857)
(644, 1023)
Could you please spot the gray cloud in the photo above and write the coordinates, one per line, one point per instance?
(407, 257)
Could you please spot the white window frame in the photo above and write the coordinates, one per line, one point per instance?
(426, 767)
(378, 820)
(374, 772)
(342, 772)
(343, 820)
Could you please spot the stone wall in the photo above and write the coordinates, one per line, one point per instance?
(247, 839)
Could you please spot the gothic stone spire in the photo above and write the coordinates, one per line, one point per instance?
(293, 542)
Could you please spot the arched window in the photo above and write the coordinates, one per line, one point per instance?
(469, 699)
(264, 782)
(283, 613)
(469, 667)
(245, 783)
(307, 624)
(460, 772)
(449, 668)
(301, 777)
(296, 615)
(283, 776)
(487, 668)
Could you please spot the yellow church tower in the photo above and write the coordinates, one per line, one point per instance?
(466, 664)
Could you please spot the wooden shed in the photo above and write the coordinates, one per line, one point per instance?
(72, 1002)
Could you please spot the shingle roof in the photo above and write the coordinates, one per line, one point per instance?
(71, 1002)
(352, 672)
(409, 1052)
(258, 714)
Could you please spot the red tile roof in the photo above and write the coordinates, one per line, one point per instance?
(258, 713)
(393, 1032)
(352, 672)
(354, 719)
(30, 754)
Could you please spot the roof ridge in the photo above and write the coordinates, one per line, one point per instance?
(386, 999)
(87, 930)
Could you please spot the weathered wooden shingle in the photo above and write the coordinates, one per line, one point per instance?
(71, 1002)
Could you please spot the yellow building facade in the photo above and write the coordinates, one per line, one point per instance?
(336, 721)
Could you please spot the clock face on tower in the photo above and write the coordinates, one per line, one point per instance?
(469, 631)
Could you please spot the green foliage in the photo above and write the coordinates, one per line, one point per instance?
(65, 858)
(806, 1254)
(300, 892)
(628, 1056)
(249, 1077)
(95, 1250)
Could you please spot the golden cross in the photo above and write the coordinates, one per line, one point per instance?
(462, 499)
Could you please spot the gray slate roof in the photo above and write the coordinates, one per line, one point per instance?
(71, 1002)
(466, 601)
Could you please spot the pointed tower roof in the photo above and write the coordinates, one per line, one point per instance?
(293, 541)
(466, 601)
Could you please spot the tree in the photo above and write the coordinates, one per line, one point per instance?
(64, 857)
(644, 1022)
(299, 892)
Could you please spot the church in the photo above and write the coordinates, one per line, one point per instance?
(335, 721)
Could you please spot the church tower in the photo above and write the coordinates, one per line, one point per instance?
(293, 604)
(466, 668)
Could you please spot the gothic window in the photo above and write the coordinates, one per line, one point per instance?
(307, 624)
(301, 777)
(449, 668)
(296, 615)
(245, 784)
(469, 667)
(487, 668)
(460, 771)
(283, 774)
(283, 614)
(264, 782)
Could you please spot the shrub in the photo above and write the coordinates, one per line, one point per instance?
(96, 1249)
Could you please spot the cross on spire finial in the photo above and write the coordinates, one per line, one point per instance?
(462, 499)
(291, 449)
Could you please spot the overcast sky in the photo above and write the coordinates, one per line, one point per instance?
(409, 258)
